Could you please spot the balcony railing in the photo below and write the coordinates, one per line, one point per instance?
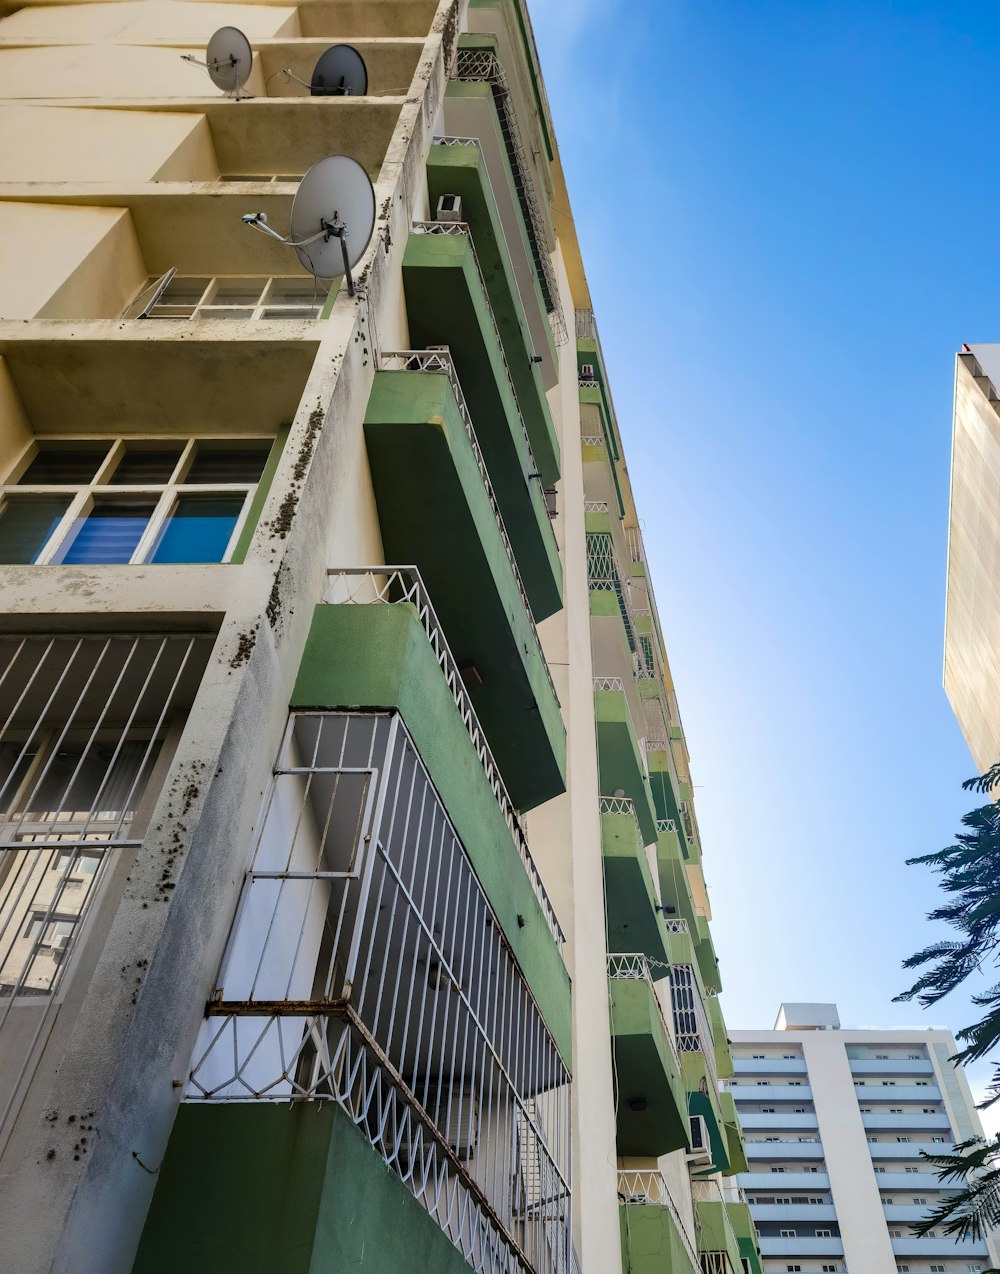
(709, 1191)
(388, 585)
(422, 360)
(592, 440)
(636, 967)
(483, 66)
(596, 506)
(691, 1024)
(666, 825)
(675, 924)
(366, 967)
(647, 1187)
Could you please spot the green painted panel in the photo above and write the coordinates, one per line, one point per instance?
(720, 1037)
(260, 495)
(708, 963)
(675, 888)
(633, 923)
(380, 657)
(434, 512)
(651, 1243)
(704, 1102)
(258, 1188)
(618, 761)
(652, 1112)
(446, 305)
(714, 1235)
(524, 373)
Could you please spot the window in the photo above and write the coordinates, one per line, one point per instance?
(928, 1110)
(799, 1110)
(903, 1269)
(937, 1269)
(767, 1110)
(911, 1169)
(903, 1139)
(880, 1170)
(881, 1057)
(921, 1083)
(829, 1269)
(824, 1234)
(913, 1057)
(918, 1200)
(897, 1234)
(757, 1057)
(895, 1110)
(187, 297)
(777, 1170)
(872, 1138)
(938, 1139)
(866, 1110)
(788, 1234)
(788, 1057)
(806, 1168)
(795, 1083)
(974, 1269)
(763, 1083)
(81, 502)
(792, 1268)
(888, 1083)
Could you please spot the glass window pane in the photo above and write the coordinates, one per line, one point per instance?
(237, 292)
(142, 466)
(184, 290)
(109, 533)
(290, 312)
(229, 462)
(59, 464)
(199, 529)
(26, 523)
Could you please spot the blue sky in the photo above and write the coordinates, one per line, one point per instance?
(788, 212)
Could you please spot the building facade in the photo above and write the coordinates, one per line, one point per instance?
(972, 616)
(835, 1122)
(351, 903)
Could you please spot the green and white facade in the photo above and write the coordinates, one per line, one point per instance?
(351, 903)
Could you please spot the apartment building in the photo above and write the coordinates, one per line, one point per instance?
(351, 903)
(836, 1120)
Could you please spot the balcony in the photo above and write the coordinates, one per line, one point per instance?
(874, 1066)
(458, 166)
(922, 1182)
(906, 1149)
(878, 1120)
(769, 1066)
(898, 1093)
(778, 1121)
(773, 1182)
(447, 304)
(651, 1103)
(744, 1091)
(654, 1237)
(634, 923)
(618, 759)
(802, 1245)
(437, 509)
(963, 1249)
(378, 645)
(363, 972)
(675, 886)
(716, 1235)
(908, 1213)
(791, 1212)
(735, 1146)
(784, 1150)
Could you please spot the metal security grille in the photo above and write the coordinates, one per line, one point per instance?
(483, 66)
(84, 721)
(691, 1026)
(604, 574)
(366, 967)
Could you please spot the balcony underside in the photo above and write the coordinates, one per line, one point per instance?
(735, 1148)
(256, 1188)
(446, 305)
(619, 763)
(379, 657)
(652, 1111)
(434, 512)
(460, 170)
(651, 1243)
(633, 923)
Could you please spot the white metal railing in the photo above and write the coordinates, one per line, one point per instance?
(605, 574)
(656, 743)
(617, 805)
(366, 967)
(675, 924)
(418, 360)
(609, 683)
(387, 585)
(596, 506)
(638, 967)
(647, 1187)
(716, 1263)
(691, 1025)
(666, 825)
(83, 721)
(592, 440)
(483, 65)
(462, 229)
(584, 323)
(708, 1190)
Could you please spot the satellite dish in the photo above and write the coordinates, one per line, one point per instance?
(228, 60)
(340, 72)
(333, 218)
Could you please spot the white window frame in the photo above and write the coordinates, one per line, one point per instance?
(269, 298)
(164, 497)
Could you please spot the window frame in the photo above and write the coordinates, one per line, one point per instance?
(165, 497)
(269, 299)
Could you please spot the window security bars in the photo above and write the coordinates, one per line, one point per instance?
(87, 501)
(388, 585)
(691, 1026)
(83, 723)
(463, 229)
(262, 297)
(647, 1187)
(366, 967)
(605, 575)
(411, 360)
(717, 1263)
(483, 66)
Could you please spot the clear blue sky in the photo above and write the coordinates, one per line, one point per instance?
(788, 210)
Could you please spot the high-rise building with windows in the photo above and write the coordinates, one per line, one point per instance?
(351, 903)
(836, 1121)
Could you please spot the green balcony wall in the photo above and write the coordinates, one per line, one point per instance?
(633, 923)
(734, 1135)
(434, 512)
(618, 761)
(261, 1188)
(379, 657)
(714, 1235)
(746, 1235)
(647, 1071)
(650, 1241)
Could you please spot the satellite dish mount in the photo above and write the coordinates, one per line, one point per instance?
(332, 228)
(228, 60)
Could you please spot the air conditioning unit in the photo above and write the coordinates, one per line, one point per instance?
(587, 371)
(701, 1146)
(60, 943)
(459, 1122)
(551, 508)
(449, 208)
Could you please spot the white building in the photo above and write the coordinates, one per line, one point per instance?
(835, 1121)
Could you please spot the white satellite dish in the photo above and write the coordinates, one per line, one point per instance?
(228, 60)
(332, 220)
